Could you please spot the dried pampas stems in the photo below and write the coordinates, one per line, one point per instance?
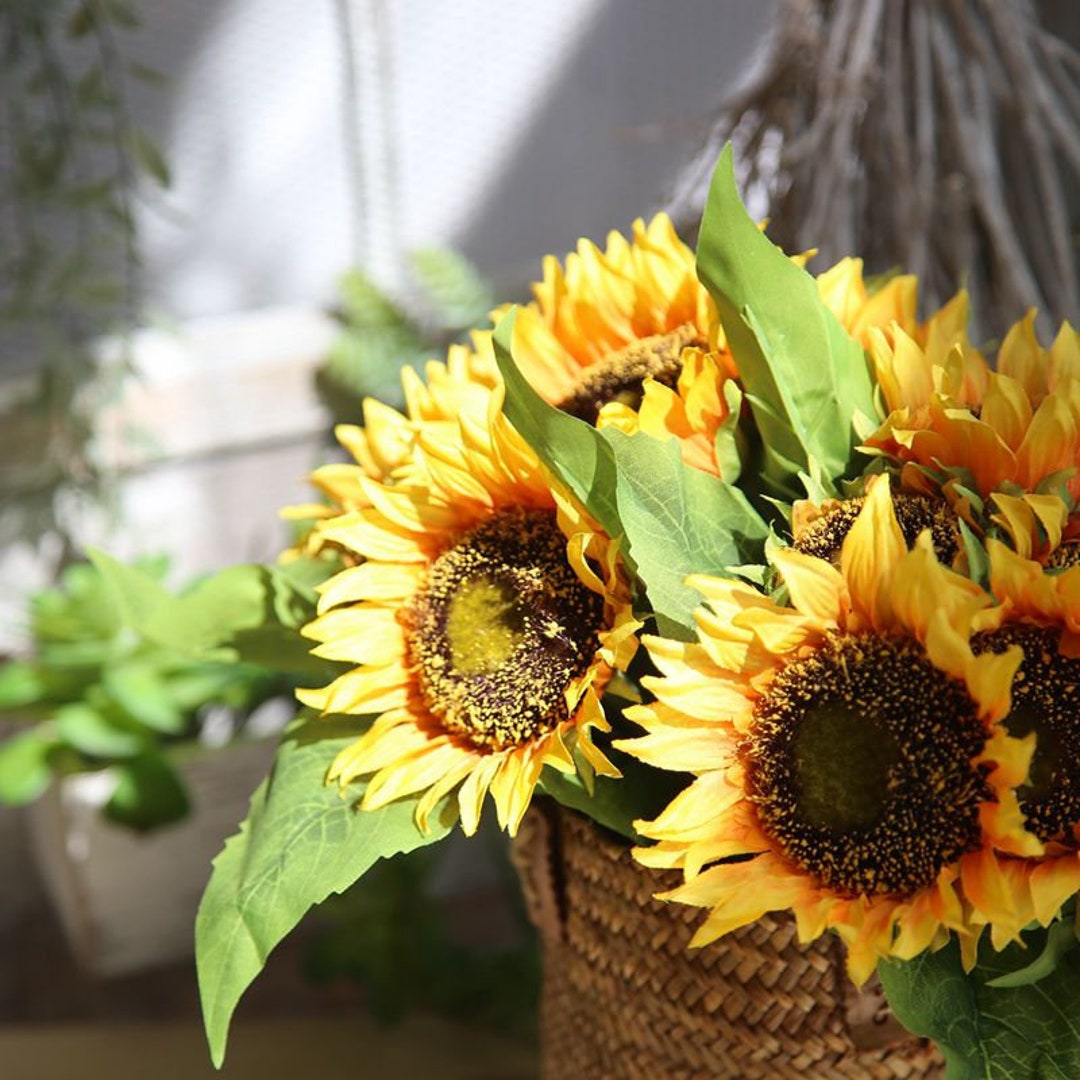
(940, 137)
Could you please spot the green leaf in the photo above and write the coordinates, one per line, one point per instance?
(676, 520)
(460, 297)
(137, 594)
(148, 156)
(295, 585)
(199, 621)
(210, 613)
(367, 362)
(81, 608)
(149, 793)
(367, 307)
(21, 684)
(573, 450)
(98, 733)
(986, 1030)
(301, 842)
(139, 688)
(282, 649)
(25, 767)
(679, 521)
(806, 380)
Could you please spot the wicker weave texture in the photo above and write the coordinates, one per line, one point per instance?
(623, 997)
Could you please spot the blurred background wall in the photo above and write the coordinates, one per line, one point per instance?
(303, 139)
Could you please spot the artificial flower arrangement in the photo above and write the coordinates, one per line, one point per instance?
(753, 568)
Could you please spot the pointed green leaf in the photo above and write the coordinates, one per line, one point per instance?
(21, 684)
(573, 450)
(367, 307)
(302, 841)
(1060, 939)
(137, 594)
(806, 380)
(149, 157)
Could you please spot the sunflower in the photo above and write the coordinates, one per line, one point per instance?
(483, 619)
(694, 406)
(1039, 613)
(387, 448)
(819, 529)
(594, 332)
(1014, 430)
(607, 320)
(848, 760)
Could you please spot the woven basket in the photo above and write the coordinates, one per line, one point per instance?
(624, 998)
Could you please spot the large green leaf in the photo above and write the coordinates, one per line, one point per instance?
(679, 521)
(301, 842)
(573, 450)
(986, 1031)
(806, 380)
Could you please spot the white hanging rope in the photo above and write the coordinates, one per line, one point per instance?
(369, 112)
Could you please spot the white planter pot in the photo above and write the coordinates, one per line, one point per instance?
(126, 900)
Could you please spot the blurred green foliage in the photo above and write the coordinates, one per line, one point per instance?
(121, 669)
(380, 334)
(392, 934)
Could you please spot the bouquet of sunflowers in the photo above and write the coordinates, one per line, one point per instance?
(753, 568)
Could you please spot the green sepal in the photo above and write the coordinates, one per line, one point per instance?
(1060, 939)
(302, 841)
(806, 380)
(978, 562)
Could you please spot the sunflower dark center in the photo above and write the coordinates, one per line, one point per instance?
(824, 537)
(501, 628)
(620, 376)
(842, 762)
(859, 762)
(1064, 557)
(1046, 700)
